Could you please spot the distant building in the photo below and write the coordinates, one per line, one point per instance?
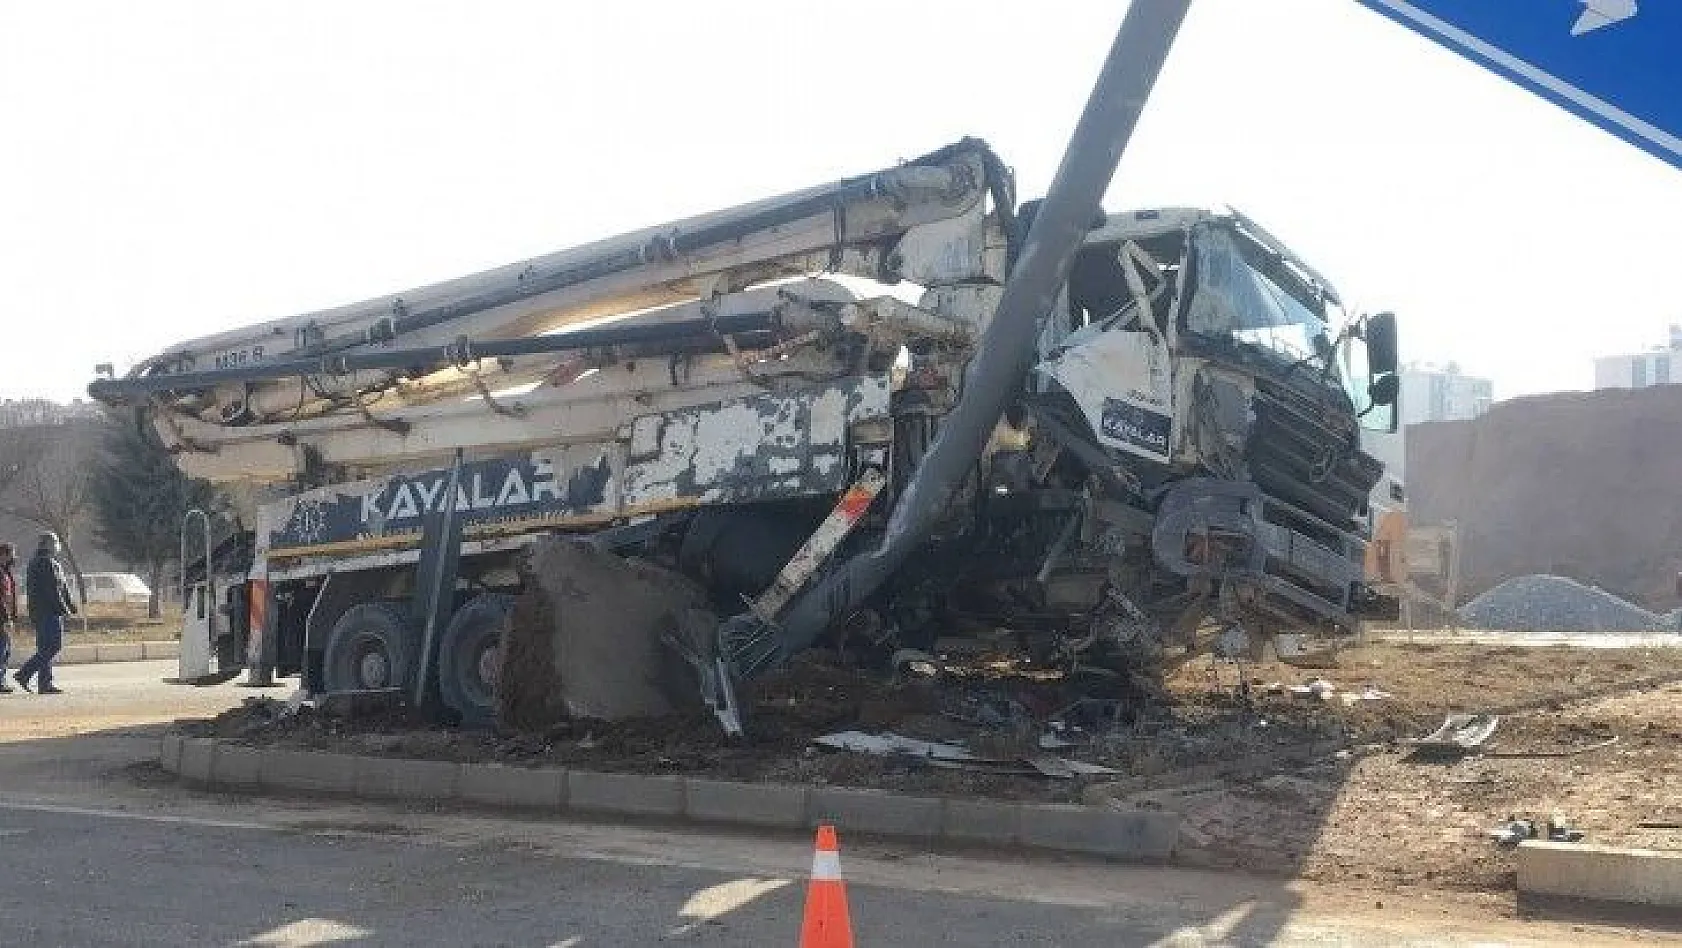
(1442, 393)
(19, 413)
(1657, 366)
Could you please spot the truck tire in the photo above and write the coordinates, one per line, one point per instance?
(372, 646)
(470, 655)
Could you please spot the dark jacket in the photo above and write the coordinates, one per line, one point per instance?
(8, 595)
(49, 595)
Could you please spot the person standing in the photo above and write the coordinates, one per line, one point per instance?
(49, 603)
(8, 610)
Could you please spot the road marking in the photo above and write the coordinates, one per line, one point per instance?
(308, 932)
(65, 810)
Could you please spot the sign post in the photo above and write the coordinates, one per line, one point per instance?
(1615, 63)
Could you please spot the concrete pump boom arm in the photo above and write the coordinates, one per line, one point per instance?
(250, 375)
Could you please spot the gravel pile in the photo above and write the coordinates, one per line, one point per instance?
(1557, 604)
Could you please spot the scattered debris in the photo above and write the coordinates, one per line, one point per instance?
(1459, 734)
(1326, 691)
(884, 744)
(1556, 604)
(1079, 722)
(255, 715)
(1318, 688)
(1555, 830)
(952, 755)
(1314, 794)
(1560, 832)
(1513, 832)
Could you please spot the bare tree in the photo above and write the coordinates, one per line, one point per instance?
(20, 451)
(139, 499)
(46, 479)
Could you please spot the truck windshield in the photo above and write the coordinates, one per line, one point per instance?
(1247, 297)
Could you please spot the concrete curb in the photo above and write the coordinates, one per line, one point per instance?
(1147, 836)
(1589, 873)
(117, 652)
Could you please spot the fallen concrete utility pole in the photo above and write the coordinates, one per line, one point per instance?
(994, 377)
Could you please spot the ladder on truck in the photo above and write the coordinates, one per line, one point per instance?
(203, 618)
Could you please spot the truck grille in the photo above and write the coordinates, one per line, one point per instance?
(1304, 449)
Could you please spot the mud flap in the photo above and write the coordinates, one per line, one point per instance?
(591, 638)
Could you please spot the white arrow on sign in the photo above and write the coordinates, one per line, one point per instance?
(1599, 13)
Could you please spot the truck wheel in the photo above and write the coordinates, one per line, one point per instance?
(369, 648)
(470, 655)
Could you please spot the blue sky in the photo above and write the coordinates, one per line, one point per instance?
(176, 168)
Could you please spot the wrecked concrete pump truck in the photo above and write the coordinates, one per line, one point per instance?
(806, 414)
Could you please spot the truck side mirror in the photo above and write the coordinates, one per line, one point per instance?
(1384, 389)
(1381, 344)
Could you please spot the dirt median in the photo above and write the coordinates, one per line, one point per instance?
(1203, 719)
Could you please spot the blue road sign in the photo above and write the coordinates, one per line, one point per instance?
(1616, 63)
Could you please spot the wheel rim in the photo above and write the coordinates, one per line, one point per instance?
(479, 672)
(489, 664)
(373, 667)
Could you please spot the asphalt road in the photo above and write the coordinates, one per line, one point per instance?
(97, 848)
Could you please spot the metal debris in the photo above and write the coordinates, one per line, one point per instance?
(1326, 691)
(888, 744)
(1079, 722)
(1459, 734)
(1555, 830)
(1560, 832)
(1318, 688)
(1513, 832)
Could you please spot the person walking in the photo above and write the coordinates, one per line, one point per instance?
(49, 603)
(8, 610)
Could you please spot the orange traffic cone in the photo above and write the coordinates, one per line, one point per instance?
(826, 924)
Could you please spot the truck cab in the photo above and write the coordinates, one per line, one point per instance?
(1223, 375)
